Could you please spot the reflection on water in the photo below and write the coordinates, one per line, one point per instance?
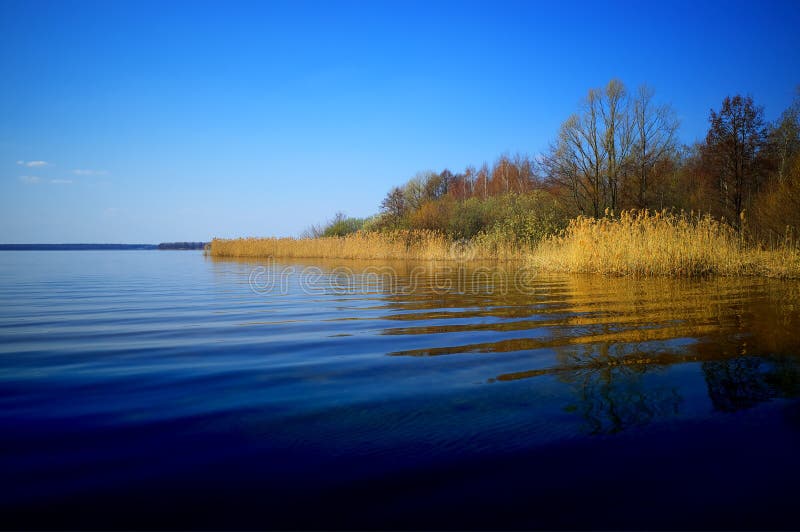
(389, 391)
(598, 336)
(743, 382)
(602, 336)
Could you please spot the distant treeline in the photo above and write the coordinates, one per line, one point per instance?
(84, 247)
(182, 245)
(72, 247)
(619, 151)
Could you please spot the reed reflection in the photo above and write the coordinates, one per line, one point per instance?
(740, 334)
(607, 340)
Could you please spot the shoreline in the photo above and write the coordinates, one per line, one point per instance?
(636, 244)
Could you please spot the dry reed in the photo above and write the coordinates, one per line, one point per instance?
(407, 245)
(641, 243)
(637, 243)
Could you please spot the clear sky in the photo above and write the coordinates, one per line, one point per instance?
(176, 120)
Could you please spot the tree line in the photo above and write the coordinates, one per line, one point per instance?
(618, 151)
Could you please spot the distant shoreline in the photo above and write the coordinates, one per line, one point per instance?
(108, 247)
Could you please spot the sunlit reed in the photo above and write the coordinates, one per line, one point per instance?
(411, 245)
(641, 243)
(636, 243)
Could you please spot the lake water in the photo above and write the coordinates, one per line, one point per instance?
(164, 389)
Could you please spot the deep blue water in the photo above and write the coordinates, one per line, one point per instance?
(160, 389)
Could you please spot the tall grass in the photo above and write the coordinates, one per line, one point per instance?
(412, 245)
(641, 243)
(636, 243)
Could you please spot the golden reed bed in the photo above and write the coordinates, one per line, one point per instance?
(662, 244)
(633, 243)
(407, 245)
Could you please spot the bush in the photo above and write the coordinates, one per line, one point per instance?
(341, 225)
(433, 216)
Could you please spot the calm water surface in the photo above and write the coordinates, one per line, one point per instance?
(165, 389)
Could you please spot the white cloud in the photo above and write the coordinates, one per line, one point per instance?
(33, 164)
(87, 171)
(35, 180)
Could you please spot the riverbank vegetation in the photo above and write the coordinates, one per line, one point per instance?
(371, 245)
(662, 244)
(615, 192)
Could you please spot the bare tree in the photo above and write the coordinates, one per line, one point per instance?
(470, 174)
(734, 148)
(502, 175)
(654, 130)
(394, 204)
(785, 139)
(577, 160)
(616, 137)
(610, 150)
(482, 180)
(524, 172)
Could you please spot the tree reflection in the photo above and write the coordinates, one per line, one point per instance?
(610, 341)
(617, 398)
(612, 390)
(743, 382)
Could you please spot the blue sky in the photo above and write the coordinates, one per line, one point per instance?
(187, 120)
